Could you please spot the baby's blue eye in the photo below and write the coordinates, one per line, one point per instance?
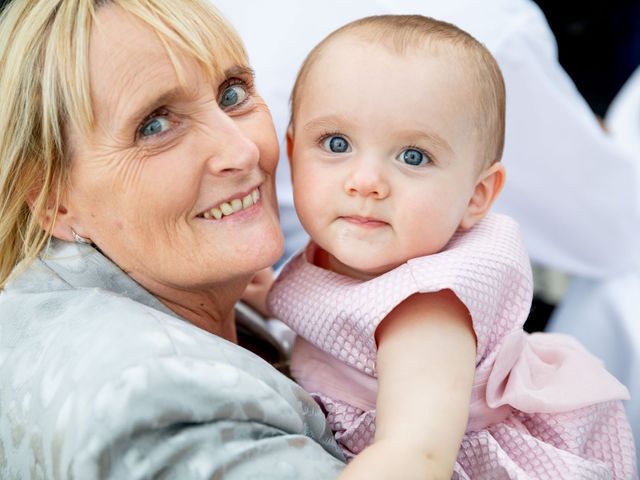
(413, 157)
(232, 96)
(155, 125)
(336, 144)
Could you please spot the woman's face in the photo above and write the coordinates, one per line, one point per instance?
(176, 183)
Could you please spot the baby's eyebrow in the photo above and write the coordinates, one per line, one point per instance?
(430, 137)
(327, 122)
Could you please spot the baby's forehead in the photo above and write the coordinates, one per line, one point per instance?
(370, 85)
(414, 46)
(349, 48)
(351, 62)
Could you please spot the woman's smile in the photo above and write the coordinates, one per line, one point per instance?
(239, 203)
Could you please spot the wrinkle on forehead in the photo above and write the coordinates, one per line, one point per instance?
(125, 58)
(128, 58)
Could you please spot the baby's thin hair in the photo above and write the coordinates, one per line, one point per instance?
(405, 33)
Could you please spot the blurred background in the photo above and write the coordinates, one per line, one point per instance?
(599, 47)
(598, 44)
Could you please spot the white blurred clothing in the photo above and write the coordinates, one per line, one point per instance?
(573, 191)
(604, 314)
(623, 116)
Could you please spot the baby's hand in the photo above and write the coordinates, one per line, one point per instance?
(256, 292)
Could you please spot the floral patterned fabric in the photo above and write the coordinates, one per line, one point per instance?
(100, 380)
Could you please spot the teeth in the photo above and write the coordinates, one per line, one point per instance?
(235, 205)
(226, 208)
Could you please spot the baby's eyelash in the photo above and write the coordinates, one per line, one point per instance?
(420, 149)
(415, 147)
(328, 134)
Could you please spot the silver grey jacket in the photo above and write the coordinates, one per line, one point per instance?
(98, 379)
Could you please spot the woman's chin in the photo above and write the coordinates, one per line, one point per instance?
(268, 248)
(254, 238)
(259, 248)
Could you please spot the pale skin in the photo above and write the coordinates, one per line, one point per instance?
(365, 201)
(161, 155)
(256, 292)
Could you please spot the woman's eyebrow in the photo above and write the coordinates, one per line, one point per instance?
(148, 106)
(239, 71)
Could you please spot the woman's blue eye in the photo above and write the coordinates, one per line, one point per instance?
(233, 95)
(155, 126)
(336, 144)
(413, 157)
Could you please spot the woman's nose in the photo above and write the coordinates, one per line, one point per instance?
(367, 178)
(233, 150)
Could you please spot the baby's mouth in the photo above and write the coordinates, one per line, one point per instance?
(368, 222)
(230, 207)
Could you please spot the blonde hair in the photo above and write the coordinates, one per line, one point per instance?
(44, 83)
(403, 32)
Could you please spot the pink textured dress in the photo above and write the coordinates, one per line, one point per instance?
(542, 407)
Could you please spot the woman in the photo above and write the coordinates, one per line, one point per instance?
(130, 133)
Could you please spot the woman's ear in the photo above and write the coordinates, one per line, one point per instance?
(488, 187)
(53, 219)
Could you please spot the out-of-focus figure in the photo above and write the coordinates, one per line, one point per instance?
(603, 313)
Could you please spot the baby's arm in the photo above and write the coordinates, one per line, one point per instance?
(426, 364)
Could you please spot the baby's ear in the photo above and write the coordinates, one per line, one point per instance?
(290, 143)
(487, 189)
(290, 150)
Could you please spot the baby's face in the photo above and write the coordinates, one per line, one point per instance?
(383, 158)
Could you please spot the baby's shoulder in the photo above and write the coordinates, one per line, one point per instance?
(493, 246)
(489, 270)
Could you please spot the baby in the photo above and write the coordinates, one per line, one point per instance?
(409, 300)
